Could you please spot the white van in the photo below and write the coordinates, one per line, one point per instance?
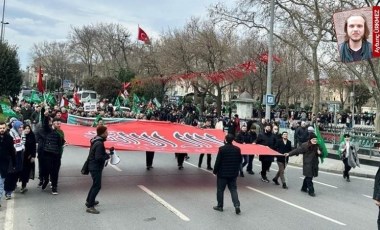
(87, 96)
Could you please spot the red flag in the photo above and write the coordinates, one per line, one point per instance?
(142, 36)
(76, 97)
(40, 84)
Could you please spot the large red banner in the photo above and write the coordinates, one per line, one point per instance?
(160, 137)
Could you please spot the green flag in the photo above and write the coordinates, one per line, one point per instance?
(97, 119)
(321, 143)
(341, 139)
(49, 99)
(117, 104)
(126, 101)
(136, 99)
(155, 101)
(7, 111)
(34, 98)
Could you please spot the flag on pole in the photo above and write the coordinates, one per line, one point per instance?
(64, 102)
(341, 139)
(76, 97)
(40, 84)
(49, 99)
(142, 36)
(7, 111)
(34, 97)
(321, 143)
(155, 101)
(96, 121)
(117, 104)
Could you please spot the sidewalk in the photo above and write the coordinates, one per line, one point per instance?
(336, 166)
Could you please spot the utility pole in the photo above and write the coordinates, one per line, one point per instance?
(270, 61)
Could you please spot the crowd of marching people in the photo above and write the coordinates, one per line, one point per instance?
(36, 134)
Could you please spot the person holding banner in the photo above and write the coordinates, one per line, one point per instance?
(356, 46)
(311, 152)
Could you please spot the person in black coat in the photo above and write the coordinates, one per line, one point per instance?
(376, 190)
(244, 137)
(7, 155)
(226, 169)
(266, 138)
(311, 152)
(282, 146)
(29, 156)
(253, 134)
(97, 159)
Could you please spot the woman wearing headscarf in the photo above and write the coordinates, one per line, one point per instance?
(29, 156)
(310, 151)
(14, 172)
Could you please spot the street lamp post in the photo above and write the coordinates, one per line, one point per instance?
(270, 62)
(2, 24)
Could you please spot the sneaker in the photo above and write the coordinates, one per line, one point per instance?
(149, 167)
(218, 208)
(187, 158)
(303, 190)
(92, 210)
(8, 196)
(44, 185)
(96, 203)
(237, 210)
(312, 194)
(241, 174)
(251, 172)
(54, 191)
(23, 190)
(275, 181)
(348, 179)
(284, 186)
(264, 180)
(209, 168)
(180, 167)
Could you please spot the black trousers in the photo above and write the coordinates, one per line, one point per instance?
(347, 168)
(308, 184)
(201, 160)
(25, 173)
(265, 165)
(149, 158)
(10, 182)
(95, 188)
(180, 158)
(250, 162)
(221, 184)
(52, 165)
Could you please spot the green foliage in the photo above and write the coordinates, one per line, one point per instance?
(89, 83)
(307, 107)
(209, 100)
(108, 87)
(292, 106)
(10, 74)
(125, 75)
(362, 95)
(53, 84)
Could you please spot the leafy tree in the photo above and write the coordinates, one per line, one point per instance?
(362, 95)
(108, 87)
(89, 83)
(10, 74)
(125, 75)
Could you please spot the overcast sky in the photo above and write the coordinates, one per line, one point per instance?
(34, 21)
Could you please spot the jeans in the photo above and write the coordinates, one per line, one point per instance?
(1, 187)
(221, 186)
(95, 188)
(250, 163)
(280, 172)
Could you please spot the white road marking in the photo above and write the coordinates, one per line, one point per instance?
(370, 197)
(317, 182)
(164, 203)
(297, 206)
(209, 171)
(9, 215)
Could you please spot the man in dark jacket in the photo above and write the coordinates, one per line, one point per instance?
(244, 137)
(301, 134)
(7, 153)
(266, 138)
(97, 158)
(282, 146)
(226, 169)
(53, 148)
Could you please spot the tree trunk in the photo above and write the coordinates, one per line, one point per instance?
(219, 101)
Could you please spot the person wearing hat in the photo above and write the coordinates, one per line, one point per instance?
(349, 156)
(310, 151)
(97, 158)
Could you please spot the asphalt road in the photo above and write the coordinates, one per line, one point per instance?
(168, 198)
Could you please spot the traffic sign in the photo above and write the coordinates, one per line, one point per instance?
(270, 99)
